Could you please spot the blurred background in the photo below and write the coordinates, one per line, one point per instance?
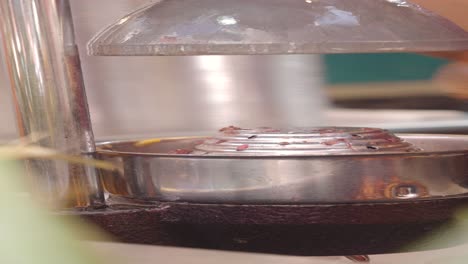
(190, 95)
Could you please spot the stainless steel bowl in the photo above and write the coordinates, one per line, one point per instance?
(267, 166)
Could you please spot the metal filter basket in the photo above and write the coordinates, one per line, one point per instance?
(297, 166)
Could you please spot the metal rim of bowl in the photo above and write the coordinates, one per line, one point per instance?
(321, 179)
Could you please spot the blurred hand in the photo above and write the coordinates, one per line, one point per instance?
(454, 10)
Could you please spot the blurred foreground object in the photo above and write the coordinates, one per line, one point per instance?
(43, 64)
(453, 80)
(30, 234)
(455, 11)
(461, 56)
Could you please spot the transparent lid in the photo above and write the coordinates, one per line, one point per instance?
(202, 27)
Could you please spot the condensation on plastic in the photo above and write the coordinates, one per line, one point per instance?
(196, 27)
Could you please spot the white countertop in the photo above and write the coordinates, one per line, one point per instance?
(142, 254)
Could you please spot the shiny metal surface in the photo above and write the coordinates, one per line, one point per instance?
(49, 98)
(359, 258)
(203, 93)
(153, 172)
(189, 94)
(223, 27)
(192, 94)
(173, 94)
(286, 142)
(155, 90)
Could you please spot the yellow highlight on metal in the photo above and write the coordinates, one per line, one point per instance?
(146, 142)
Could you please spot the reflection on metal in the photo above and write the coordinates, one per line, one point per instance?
(49, 97)
(359, 258)
(319, 141)
(173, 170)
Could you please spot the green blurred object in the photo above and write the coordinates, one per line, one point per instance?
(451, 234)
(30, 234)
(385, 67)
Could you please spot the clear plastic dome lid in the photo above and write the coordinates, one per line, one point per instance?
(202, 27)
